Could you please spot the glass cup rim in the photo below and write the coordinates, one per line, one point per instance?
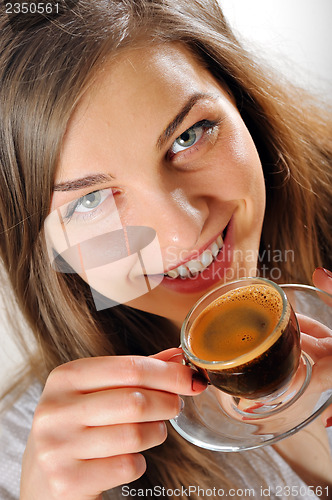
(202, 363)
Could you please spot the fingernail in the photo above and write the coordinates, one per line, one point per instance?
(199, 382)
(181, 405)
(176, 358)
(326, 271)
(329, 422)
(254, 407)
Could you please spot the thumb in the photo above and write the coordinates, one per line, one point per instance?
(173, 355)
(322, 278)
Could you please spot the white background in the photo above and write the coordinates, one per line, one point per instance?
(295, 34)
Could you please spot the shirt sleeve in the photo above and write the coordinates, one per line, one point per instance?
(15, 425)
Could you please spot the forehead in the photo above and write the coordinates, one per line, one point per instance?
(144, 76)
(137, 94)
(135, 72)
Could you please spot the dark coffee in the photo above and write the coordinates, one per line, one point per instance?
(246, 331)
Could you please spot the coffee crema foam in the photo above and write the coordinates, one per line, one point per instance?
(238, 326)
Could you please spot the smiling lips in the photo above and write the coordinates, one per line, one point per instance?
(202, 262)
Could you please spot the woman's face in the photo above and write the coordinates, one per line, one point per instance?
(159, 139)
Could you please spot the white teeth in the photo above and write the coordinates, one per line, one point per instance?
(174, 273)
(193, 267)
(183, 271)
(214, 249)
(206, 258)
(220, 242)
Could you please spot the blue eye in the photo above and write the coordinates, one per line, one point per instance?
(86, 204)
(89, 201)
(192, 135)
(187, 139)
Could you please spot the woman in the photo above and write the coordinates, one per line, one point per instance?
(154, 107)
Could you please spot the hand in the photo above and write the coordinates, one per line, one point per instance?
(94, 418)
(322, 278)
(317, 341)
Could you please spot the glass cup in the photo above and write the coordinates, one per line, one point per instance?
(244, 338)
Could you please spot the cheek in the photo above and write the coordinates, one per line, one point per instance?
(239, 173)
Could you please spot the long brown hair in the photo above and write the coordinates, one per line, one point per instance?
(45, 67)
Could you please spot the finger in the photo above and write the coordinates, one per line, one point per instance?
(95, 374)
(103, 442)
(317, 348)
(326, 416)
(101, 474)
(171, 355)
(322, 374)
(123, 405)
(178, 358)
(322, 278)
(313, 327)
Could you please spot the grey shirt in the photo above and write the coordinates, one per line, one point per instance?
(245, 468)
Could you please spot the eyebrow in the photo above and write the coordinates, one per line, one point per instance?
(84, 182)
(176, 122)
(93, 180)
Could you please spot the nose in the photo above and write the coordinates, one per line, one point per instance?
(177, 218)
